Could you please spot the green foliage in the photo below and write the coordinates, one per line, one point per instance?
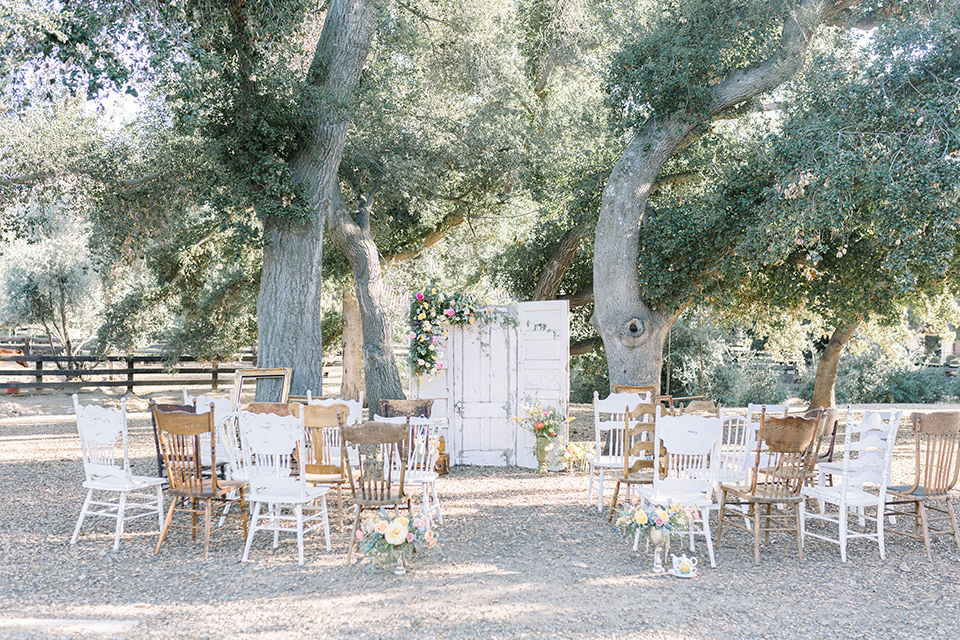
(680, 48)
(588, 373)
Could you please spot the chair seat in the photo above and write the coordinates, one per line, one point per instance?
(640, 477)
(607, 462)
(419, 477)
(325, 478)
(206, 491)
(122, 483)
(854, 497)
(288, 495)
(692, 498)
(763, 493)
(918, 493)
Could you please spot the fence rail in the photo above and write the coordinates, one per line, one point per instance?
(102, 372)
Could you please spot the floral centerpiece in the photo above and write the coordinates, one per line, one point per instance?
(577, 455)
(656, 523)
(387, 540)
(546, 423)
(428, 309)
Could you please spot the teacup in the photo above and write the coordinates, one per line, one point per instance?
(684, 566)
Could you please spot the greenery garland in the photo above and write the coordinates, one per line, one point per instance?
(427, 310)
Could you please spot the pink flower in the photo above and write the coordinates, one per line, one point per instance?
(412, 335)
(436, 339)
(359, 534)
(409, 537)
(658, 521)
(439, 365)
(419, 296)
(449, 312)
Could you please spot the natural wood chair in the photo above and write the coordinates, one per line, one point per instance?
(786, 451)
(423, 447)
(324, 463)
(638, 454)
(702, 407)
(355, 406)
(608, 428)
(641, 389)
(417, 408)
(282, 409)
(181, 436)
(937, 468)
(377, 483)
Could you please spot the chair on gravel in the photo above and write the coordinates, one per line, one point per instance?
(107, 471)
(608, 428)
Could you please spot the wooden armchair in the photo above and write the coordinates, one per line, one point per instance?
(638, 453)
(376, 482)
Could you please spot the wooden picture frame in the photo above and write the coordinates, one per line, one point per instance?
(284, 374)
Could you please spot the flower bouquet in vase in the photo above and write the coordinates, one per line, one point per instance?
(387, 540)
(656, 523)
(546, 423)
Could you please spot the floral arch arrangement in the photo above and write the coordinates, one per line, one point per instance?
(428, 309)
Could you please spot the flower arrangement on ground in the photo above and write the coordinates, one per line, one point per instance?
(427, 310)
(655, 522)
(577, 455)
(387, 539)
(546, 423)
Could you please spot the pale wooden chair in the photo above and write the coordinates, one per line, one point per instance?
(785, 454)
(271, 443)
(324, 464)
(416, 408)
(936, 471)
(355, 406)
(423, 447)
(107, 471)
(179, 434)
(377, 482)
(282, 409)
(642, 389)
(638, 455)
(702, 407)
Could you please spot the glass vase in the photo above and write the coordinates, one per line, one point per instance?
(399, 570)
(659, 540)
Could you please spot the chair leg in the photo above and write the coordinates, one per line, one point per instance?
(166, 523)
(953, 522)
(613, 503)
(353, 534)
(756, 533)
(193, 529)
(590, 484)
(705, 520)
(436, 502)
(121, 507)
(926, 529)
(299, 512)
(326, 522)
(83, 515)
(880, 530)
(243, 512)
(253, 529)
(427, 511)
(600, 490)
(160, 506)
(723, 510)
(766, 530)
(207, 509)
(340, 507)
(843, 517)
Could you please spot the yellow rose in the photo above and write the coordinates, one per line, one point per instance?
(381, 527)
(640, 516)
(402, 520)
(674, 508)
(396, 533)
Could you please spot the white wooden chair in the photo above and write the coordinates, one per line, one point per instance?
(222, 408)
(867, 458)
(737, 443)
(355, 406)
(107, 471)
(608, 428)
(692, 445)
(270, 441)
(773, 411)
(891, 420)
(422, 450)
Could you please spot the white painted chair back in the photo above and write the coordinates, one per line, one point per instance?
(101, 430)
(868, 451)
(355, 406)
(737, 443)
(609, 422)
(691, 443)
(773, 410)
(269, 443)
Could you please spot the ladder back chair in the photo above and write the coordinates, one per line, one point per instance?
(638, 455)
(324, 463)
(608, 429)
(376, 483)
(423, 447)
(936, 471)
(355, 406)
(785, 454)
(182, 436)
(416, 408)
(107, 471)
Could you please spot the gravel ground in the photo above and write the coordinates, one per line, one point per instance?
(525, 557)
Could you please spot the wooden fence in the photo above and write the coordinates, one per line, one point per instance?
(112, 371)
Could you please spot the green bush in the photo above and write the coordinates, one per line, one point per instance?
(903, 384)
(588, 373)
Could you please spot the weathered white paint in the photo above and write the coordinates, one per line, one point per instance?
(487, 373)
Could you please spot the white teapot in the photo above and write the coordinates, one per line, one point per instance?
(684, 566)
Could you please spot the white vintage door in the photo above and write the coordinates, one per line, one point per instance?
(484, 377)
(543, 364)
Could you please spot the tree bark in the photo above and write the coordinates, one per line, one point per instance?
(632, 332)
(288, 307)
(825, 384)
(381, 376)
(557, 266)
(352, 382)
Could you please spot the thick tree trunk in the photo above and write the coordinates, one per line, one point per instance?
(381, 376)
(632, 332)
(352, 382)
(557, 266)
(825, 384)
(288, 308)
